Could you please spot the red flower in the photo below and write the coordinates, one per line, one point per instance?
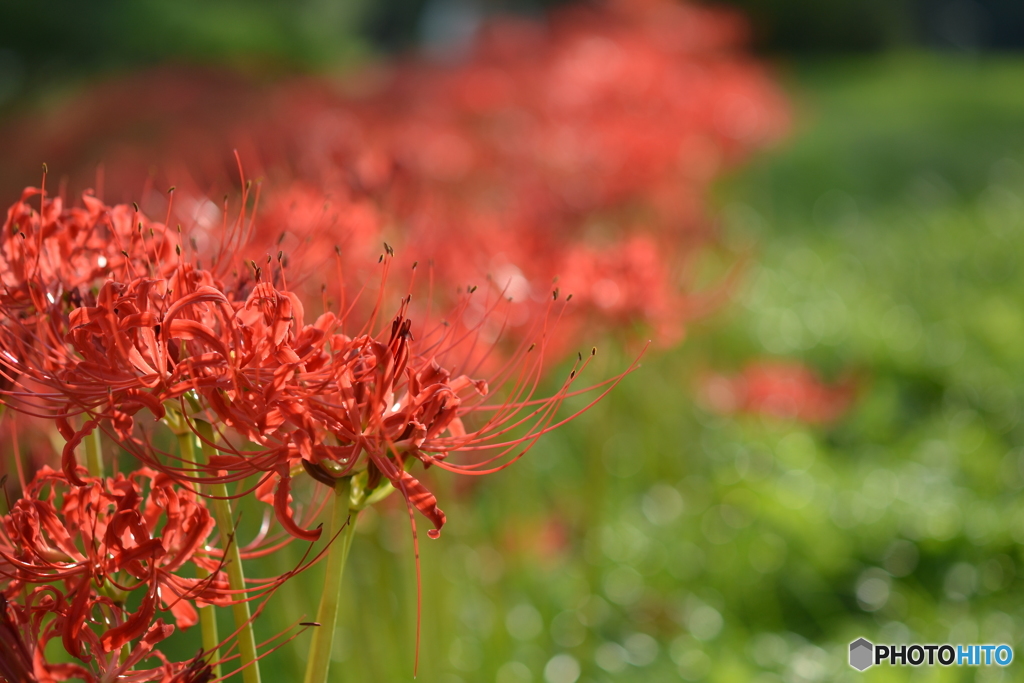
(100, 542)
(28, 628)
(243, 358)
(345, 405)
(780, 389)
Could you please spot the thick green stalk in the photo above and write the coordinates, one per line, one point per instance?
(233, 556)
(208, 614)
(343, 521)
(94, 452)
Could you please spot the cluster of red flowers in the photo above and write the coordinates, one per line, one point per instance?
(69, 567)
(580, 149)
(105, 316)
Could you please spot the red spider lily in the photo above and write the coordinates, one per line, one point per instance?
(306, 395)
(51, 256)
(68, 248)
(105, 540)
(27, 628)
(781, 389)
(588, 112)
(593, 138)
(71, 556)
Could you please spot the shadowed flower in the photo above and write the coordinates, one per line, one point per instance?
(28, 628)
(102, 541)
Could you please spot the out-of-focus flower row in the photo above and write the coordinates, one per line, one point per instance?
(581, 149)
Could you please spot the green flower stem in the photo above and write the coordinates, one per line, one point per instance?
(342, 528)
(208, 614)
(236, 576)
(94, 452)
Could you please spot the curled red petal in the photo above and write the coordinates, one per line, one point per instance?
(65, 429)
(134, 627)
(51, 673)
(284, 513)
(68, 462)
(424, 501)
(151, 550)
(147, 399)
(76, 619)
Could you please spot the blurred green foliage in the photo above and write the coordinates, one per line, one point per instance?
(46, 43)
(801, 26)
(120, 32)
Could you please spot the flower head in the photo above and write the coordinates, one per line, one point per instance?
(98, 543)
(334, 397)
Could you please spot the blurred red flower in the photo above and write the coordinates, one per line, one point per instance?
(786, 390)
(580, 148)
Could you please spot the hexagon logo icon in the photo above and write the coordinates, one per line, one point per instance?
(861, 652)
